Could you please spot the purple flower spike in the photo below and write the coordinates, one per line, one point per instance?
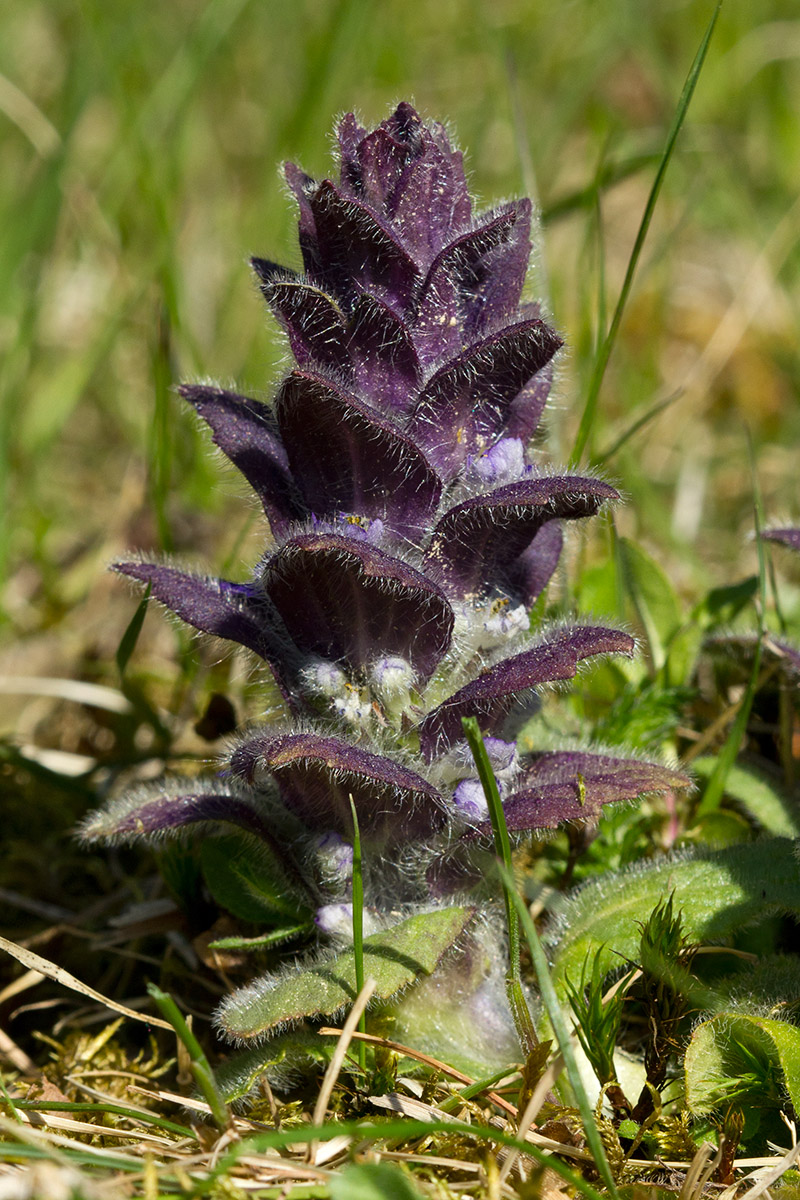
(347, 457)
(465, 405)
(315, 325)
(237, 612)
(245, 431)
(412, 529)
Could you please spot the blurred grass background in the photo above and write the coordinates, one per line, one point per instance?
(139, 155)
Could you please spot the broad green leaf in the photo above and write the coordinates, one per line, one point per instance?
(393, 958)
(245, 877)
(716, 891)
(653, 597)
(750, 1061)
(373, 1181)
(775, 812)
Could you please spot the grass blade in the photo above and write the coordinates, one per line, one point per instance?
(358, 929)
(596, 381)
(130, 637)
(559, 1025)
(201, 1068)
(516, 995)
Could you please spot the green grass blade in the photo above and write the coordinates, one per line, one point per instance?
(130, 637)
(358, 928)
(609, 174)
(596, 381)
(559, 1025)
(201, 1068)
(117, 1110)
(516, 996)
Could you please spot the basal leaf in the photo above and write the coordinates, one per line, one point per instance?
(716, 891)
(393, 958)
(282, 1059)
(747, 1060)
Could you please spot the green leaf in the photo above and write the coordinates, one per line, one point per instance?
(131, 635)
(282, 1060)
(393, 958)
(774, 811)
(244, 877)
(373, 1181)
(723, 604)
(716, 891)
(734, 1058)
(653, 596)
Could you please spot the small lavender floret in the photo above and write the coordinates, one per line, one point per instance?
(502, 463)
(336, 920)
(334, 857)
(470, 800)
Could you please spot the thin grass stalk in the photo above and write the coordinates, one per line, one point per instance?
(358, 929)
(559, 1026)
(523, 1021)
(201, 1068)
(601, 362)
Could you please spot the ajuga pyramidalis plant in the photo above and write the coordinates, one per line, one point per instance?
(410, 533)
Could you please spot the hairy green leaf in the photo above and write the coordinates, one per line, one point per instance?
(746, 1060)
(246, 878)
(716, 892)
(373, 1181)
(393, 958)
